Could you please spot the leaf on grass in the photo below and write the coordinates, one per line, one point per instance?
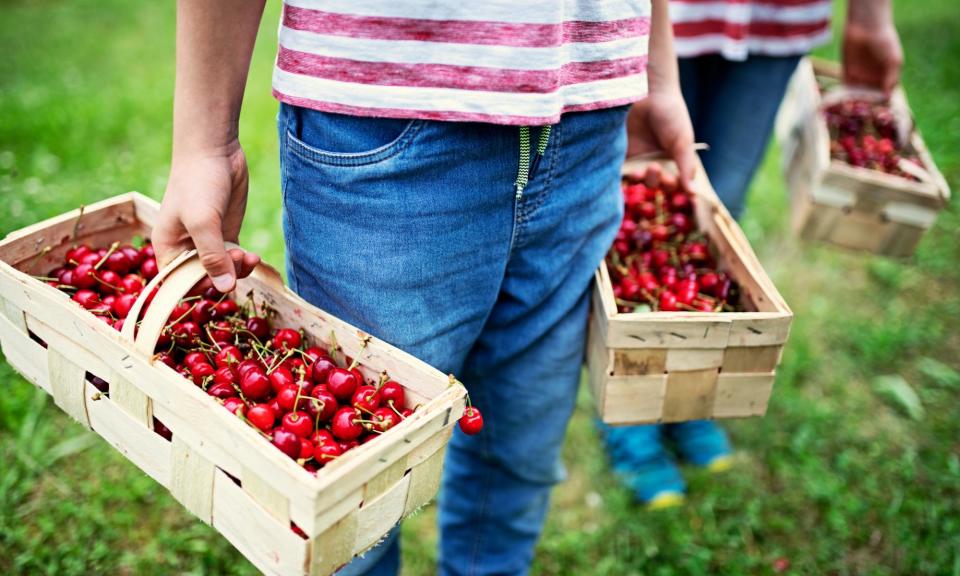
(939, 373)
(71, 446)
(896, 391)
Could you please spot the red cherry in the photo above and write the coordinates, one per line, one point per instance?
(84, 276)
(118, 262)
(222, 391)
(219, 332)
(322, 436)
(87, 298)
(342, 383)
(366, 399)
(297, 422)
(109, 281)
(275, 406)
(472, 421)
(255, 384)
(280, 378)
(134, 255)
(131, 284)
(287, 442)
(225, 375)
(385, 419)
(345, 425)
(147, 250)
(258, 326)
(324, 404)
(225, 307)
(348, 445)
(287, 398)
(200, 371)
(185, 334)
(93, 258)
(668, 301)
(248, 365)
(122, 304)
(149, 268)
(228, 356)
(203, 311)
(326, 452)
(313, 353)
(647, 211)
(708, 282)
(306, 451)
(167, 359)
(321, 369)
(233, 404)
(287, 339)
(77, 252)
(392, 394)
(193, 357)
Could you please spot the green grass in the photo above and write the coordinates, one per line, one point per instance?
(836, 478)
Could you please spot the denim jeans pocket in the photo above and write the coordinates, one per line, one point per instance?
(341, 140)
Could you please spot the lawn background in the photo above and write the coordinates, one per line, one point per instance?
(837, 479)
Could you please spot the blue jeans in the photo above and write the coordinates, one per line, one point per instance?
(410, 230)
(733, 106)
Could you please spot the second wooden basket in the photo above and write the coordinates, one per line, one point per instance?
(677, 366)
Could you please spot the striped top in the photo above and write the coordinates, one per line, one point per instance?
(520, 62)
(737, 28)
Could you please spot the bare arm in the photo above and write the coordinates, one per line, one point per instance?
(872, 54)
(207, 190)
(661, 122)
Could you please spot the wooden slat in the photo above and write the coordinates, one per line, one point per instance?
(67, 381)
(26, 356)
(424, 481)
(688, 359)
(191, 479)
(668, 330)
(263, 492)
(640, 361)
(741, 395)
(271, 546)
(689, 395)
(330, 549)
(634, 399)
(377, 517)
(67, 340)
(752, 359)
(144, 447)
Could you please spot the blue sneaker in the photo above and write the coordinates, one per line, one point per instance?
(702, 443)
(638, 456)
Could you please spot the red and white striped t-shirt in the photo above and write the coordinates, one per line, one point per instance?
(521, 62)
(737, 28)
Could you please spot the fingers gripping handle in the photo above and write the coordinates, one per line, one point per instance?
(172, 283)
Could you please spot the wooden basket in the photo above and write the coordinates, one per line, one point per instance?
(848, 206)
(218, 467)
(677, 366)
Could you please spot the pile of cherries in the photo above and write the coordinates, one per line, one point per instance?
(659, 261)
(310, 406)
(864, 134)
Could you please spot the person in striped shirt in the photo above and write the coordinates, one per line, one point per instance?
(450, 180)
(736, 58)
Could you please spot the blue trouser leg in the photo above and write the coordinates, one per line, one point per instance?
(733, 106)
(410, 230)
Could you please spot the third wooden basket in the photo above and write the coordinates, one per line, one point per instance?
(217, 466)
(852, 207)
(675, 366)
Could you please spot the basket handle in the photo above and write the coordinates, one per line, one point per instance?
(174, 281)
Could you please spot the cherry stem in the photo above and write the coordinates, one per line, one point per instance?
(110, 251)
(76, 225)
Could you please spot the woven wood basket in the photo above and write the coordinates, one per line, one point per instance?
(217, 466)
(851, 207)
(678, 366)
